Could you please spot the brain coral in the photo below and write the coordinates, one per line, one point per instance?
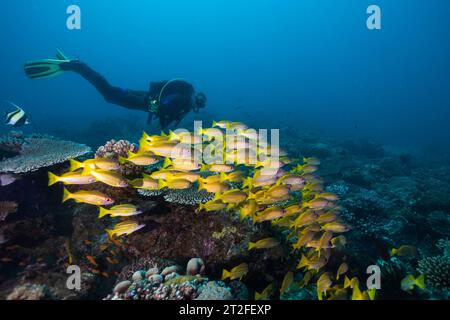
(42, 151)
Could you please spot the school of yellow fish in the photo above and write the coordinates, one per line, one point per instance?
(281, 191)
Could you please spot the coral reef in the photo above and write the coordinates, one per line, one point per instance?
(157, 283)
(114, 150)
(30, 292)
(40, 151)
(437, 272)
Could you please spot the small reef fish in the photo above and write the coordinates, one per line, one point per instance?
(266, 243)
(338, 242)
(211, 179)
(181, 164)
(248, 209)
(90, 197)
(277, 192)
(327, 196)
(304, 239)
(404, 251)
(213, 205)
(269, 214)
(410, 281)
(146, 183)
(214, 187)
(217, 168)
(185, 137)
(161, 174)
(353, 283)
(335, 226)
(123, 210)
(326, 217)
(70, 178)
(110, 178)
(221, 124)
(16, 118)
(191, 176)
(313, 263)
(124, 228)
(266, 293)
(343, 268)
(177, 184)
(323, 284)
(234, 196)
(235, 176)
(98, 163)
(140, 159)
(287, 281)
(238, 272)
(304, 219)
(311, 161)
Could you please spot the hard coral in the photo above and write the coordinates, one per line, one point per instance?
(114, 150)
(42, 151)
(437, 272)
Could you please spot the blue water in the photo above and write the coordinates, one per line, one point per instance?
(275, 63)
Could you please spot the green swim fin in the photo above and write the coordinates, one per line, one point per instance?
(46, 68)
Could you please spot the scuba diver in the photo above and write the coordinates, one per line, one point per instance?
(170, 101)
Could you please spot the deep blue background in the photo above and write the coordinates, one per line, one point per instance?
(310, 63)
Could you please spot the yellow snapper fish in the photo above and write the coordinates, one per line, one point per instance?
(323, 284)
(221, 124)
(287, 281)
(190, 176)
(260, 182)
(90, 197)
(162, 174)
(211, 179)
(217, 168)
(234, 196)
(335, 226)
(213, 205)
(293, 210)
(353, 283)
(266, 293)
(110, 178)
(212, 133)
(185, 137)
(250, 134)
(238, 272)
(214, 187)
(313, 263)
(304, 238)
(317, 204)
(328, 196)
(311, 161)
(124, 228)
(324, 241)
(98, 163)
(181, 164)
(404, 251)
(266, 243)
(277, 192)
(343, 268)
(160, 148)
(146, 183)
(177, 184)
(248, 209)
(339, 242)
(123, 210)
(235, 176)
(70, 178)
(237, 126)
(268, 214)
(140, 159)
(146, 138)
(410, 281)
(304, 219)
(326, 217)
(291, 179)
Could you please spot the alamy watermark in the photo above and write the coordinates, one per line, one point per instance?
(73, 21)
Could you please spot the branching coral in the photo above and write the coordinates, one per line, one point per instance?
(42, 151)
(437, 272)
(114, 149)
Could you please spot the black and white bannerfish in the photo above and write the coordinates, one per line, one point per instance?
(16, 118)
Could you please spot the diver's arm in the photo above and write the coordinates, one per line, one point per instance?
(131, 99)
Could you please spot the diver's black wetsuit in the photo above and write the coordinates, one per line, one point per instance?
(173, 106)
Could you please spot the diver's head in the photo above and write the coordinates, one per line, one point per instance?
(199, 101)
